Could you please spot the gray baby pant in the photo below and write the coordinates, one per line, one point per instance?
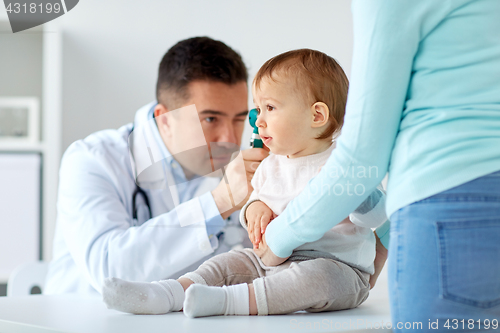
(314, 285)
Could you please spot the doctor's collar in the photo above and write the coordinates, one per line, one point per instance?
(176, 168)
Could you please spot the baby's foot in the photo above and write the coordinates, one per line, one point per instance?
(203, 301)
(143, 297)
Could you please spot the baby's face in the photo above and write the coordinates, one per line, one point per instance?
(284, 120)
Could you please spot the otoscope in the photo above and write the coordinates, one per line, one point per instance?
(255, 141)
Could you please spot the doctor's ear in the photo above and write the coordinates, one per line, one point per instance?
(161, 114)
(320, 114)
(159, 110)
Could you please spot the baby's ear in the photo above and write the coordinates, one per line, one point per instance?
(320, 114)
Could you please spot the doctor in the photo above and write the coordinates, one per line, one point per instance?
(139, 203)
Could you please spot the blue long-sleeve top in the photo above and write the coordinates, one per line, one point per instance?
(423, 105)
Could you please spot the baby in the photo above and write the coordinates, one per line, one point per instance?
(300, 96)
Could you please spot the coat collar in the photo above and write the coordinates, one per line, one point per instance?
(148, 152)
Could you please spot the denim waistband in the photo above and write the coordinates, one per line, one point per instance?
(493, 174)
(484, 188)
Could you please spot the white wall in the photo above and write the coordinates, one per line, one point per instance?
(111, 49)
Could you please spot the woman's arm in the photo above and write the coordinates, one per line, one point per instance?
(386, 39)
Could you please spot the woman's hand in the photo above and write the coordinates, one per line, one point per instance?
(258, 216)
(266, 255)
(380, 258)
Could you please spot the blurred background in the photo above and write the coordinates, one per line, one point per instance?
(93, 67)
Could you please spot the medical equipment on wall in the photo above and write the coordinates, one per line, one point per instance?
(19, 120)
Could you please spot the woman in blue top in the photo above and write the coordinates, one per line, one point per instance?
(424, 105)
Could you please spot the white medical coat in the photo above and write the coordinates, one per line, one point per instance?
(96, 236)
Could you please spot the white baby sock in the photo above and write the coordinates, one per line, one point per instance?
(142, 297)
(202, 301)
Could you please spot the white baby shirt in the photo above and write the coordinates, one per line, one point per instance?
(279, 179)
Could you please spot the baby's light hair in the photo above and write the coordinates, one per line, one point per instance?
(317, 76)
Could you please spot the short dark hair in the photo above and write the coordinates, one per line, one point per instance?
(198, 58)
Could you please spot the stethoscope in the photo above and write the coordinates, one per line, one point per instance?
(140, 191)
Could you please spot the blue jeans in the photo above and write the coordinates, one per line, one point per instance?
(444, 260)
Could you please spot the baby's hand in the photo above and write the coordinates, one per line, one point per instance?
(258, 216)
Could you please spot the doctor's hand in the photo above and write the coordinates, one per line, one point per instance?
(266, 255)
(258, 216)
(235, 188)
